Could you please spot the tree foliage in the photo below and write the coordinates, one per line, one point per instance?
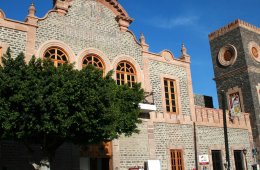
(48, 105)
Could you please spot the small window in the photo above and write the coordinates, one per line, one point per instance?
(57, 55)
(125, 74)
(177, 160)
(94, 60)
(170, 96)
(217, 159)
(239, 160)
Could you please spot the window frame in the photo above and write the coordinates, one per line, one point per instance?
(176, 159)
(176, 97)
(56, 61)
(126, 74)
(221, 159)
(93, 55)
(242, 161)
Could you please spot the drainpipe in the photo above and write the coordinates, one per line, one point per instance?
(195, 146)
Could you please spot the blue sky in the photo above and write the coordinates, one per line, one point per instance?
(168, 23)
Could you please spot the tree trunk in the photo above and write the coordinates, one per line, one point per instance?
(46, 162)
(44, 165)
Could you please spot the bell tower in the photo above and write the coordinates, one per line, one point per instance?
(235, 51)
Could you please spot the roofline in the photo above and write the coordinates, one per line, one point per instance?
(231, 26)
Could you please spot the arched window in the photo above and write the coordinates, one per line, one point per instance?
(94, 60)
(57, 55)
(125, 74)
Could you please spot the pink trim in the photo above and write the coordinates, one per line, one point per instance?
(102, 55)
(55, 43)
(139, 72)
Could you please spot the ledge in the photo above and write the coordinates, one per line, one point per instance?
(146, 108)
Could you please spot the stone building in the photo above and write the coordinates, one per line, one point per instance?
(235, 52)
(174, 130)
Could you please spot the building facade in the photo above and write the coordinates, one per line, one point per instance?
(235, 52)
(174, 130)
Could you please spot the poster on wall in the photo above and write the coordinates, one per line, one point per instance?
(203, 159)
(234, 102)
(258, 92)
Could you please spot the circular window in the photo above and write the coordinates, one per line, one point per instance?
(227, 55)
(254, 51)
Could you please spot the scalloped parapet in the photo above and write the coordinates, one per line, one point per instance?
(214, 117)
(204, 117)
(237, 23)
(2, 14)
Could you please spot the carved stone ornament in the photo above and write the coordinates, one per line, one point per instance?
(254, 51)
(227, 55)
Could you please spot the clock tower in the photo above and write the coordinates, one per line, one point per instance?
(235, 51)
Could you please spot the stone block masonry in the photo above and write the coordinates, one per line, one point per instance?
(83, 27)
(212, 138)
(15, 39)
(157, 71)
(174, 136)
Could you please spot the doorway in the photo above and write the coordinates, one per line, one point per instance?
(96, 157)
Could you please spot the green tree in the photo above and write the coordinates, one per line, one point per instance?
(48, 105)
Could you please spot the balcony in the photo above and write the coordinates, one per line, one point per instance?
(148, 103)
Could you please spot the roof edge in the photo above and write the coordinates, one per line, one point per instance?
(231, 26)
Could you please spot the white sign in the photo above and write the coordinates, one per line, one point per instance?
(203, 159)
(154, 165)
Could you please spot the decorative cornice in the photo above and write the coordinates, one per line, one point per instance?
(123, 22)
(237, 23)
(62, 6)
(111, 4)
(116, 7)
(2, 14)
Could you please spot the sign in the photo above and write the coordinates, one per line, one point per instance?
(154, 165)
(235, 107)
(203, 159)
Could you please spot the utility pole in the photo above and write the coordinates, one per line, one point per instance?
(225, 128)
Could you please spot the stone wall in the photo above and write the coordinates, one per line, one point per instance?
(158, 71)
(15, 39)
(233, 37)
(88, 24)
(174, 136)
(202, 100)
(134, 150)
(244, 73)
(252, 104)
(212, 138)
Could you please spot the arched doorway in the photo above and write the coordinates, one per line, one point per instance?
(96, 156)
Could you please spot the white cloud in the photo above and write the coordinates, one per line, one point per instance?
(169, 23)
